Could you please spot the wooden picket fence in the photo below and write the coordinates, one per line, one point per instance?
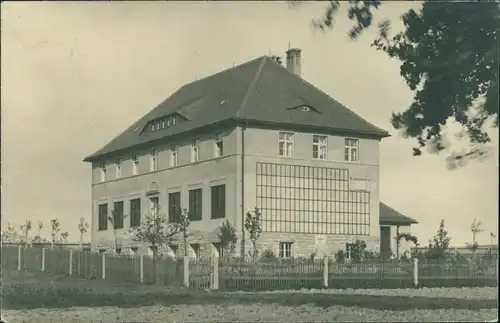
(243, 274)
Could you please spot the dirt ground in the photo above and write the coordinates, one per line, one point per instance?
(40, 298)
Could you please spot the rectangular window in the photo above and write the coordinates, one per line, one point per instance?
(118, 215)
(118, 168)
(163, 124)
(103, 172)
(285, 144)
(219, 145)
(349, 248)
(351, 150)
(174, 156)
(154, 160)
(196, 250)
(135, 213)
(174, 119)
(195, 150)
(286, 249)
(135, 164)
(154, 204)
(103, 217)
(320, 147)
(152, 127)
(174, 207)
(195, 205)
(218, 201)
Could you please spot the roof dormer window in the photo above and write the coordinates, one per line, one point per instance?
(163, 123)
(305, 108)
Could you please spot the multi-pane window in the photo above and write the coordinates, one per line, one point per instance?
(195, 150)
(154, 204)
(218, 199)
(349, 248)
(174, 156)
(135, 212)
(285, 250)
(103, 172)
(195, 205)
(103, 217)
(196, 250)
(118, 163)
(118, 215)
(135, 164)
(219, 145)
(306, 199)
(319, 147)
(174, 207)
(154, 160)
(351, 150)
(285, 144)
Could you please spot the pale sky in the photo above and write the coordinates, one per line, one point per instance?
(76, 74)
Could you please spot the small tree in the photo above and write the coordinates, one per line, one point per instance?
(11, 234)
(26, 228)
(156, 231)
(254, 228)
(83, 226)
(55, 227)
(227, 237)
(113, 219)
(440, 244)
(475, 228)
(38, 237)
(183, 224)
(64, 237)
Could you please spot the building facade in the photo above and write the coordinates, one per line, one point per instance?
(256, 135)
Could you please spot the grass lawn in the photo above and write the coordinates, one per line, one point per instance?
(69, 299)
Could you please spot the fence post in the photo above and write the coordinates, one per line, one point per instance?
(186, 271)
(103, 265)
(70, 262)
(215, 273)
(141, 267)
(325, 271)
(19, 257)
(415, 272)
(43, 260)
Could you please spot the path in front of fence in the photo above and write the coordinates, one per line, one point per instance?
(235, 274)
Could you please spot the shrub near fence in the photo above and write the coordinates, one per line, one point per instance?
(239, 274)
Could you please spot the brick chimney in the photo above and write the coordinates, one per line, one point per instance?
(293, 60)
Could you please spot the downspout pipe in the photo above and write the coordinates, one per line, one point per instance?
(243, 128)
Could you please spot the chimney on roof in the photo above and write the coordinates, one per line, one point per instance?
(293, 60)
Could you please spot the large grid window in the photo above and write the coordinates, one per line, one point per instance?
(135, 213)
(285, 144)
(118, 215)
(195, 204)
(103, 217)
(351, 150)
(320, 147)
(174, 207)
(218, 199)
(304, 199)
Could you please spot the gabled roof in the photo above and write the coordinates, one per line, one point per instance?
(389, 216)
(259, 91)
